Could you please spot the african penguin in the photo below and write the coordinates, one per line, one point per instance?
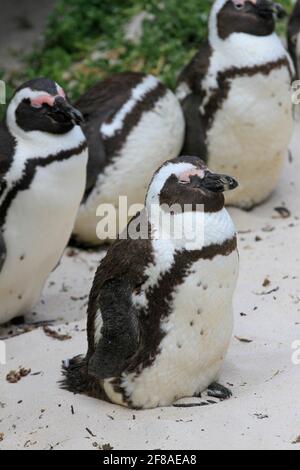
(293, 37)
(132, 123)
(43, 159)
(236, 97)
(160, 313)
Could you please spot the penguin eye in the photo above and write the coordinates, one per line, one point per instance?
(239, 4)
(186, 177)
(42, 110)
(40, 107)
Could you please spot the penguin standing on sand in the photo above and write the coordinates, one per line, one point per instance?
(133, 123)
(236, 97)
(43, 158)
(160, 312)
(294, 37)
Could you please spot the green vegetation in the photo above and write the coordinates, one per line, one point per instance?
(85, 41)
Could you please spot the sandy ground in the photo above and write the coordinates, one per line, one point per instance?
(264, 411)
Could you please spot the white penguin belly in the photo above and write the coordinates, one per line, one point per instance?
(197, 337)
(250, 135)
(158, 137)
(38, 225)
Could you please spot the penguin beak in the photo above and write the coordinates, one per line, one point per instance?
(63, 110)
(267, 7)
(218, 183)
(279, 11)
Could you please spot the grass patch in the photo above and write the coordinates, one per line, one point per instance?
(84, 41)
(84, 44)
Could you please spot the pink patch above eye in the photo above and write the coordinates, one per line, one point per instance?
(242, 2)
(186, 175)
(39, 101)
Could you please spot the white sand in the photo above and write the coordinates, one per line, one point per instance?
(264, 412)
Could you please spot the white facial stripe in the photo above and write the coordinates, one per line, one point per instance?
(164, 173)
(185, 177)
(213, 25)
(60, 91)
(214, 38)
(138, 93)
(26, 93)
(242, 2)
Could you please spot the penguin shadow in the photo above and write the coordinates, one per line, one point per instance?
(76, 243)
(19, 326)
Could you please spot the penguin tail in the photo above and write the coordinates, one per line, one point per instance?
(77, 380)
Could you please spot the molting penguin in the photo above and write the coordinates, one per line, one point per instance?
(236, 96)
(133, 123)
(160, 312)
(43, 158)
(293, 37)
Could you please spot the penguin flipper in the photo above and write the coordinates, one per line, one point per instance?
(194, 144)
(2, 251)
(193, 74)
(99, 104)
(7, 149)
(192, 77)
(293, 31)
(97, 156)
(120, 274)
(120, 332)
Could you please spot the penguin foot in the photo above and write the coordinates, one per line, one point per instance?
(219, 391)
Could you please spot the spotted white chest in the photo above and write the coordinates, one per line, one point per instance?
(250, 134)
(157, 137)
(252, 127)
(251, 130)
(37, 228)
(198, 330)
